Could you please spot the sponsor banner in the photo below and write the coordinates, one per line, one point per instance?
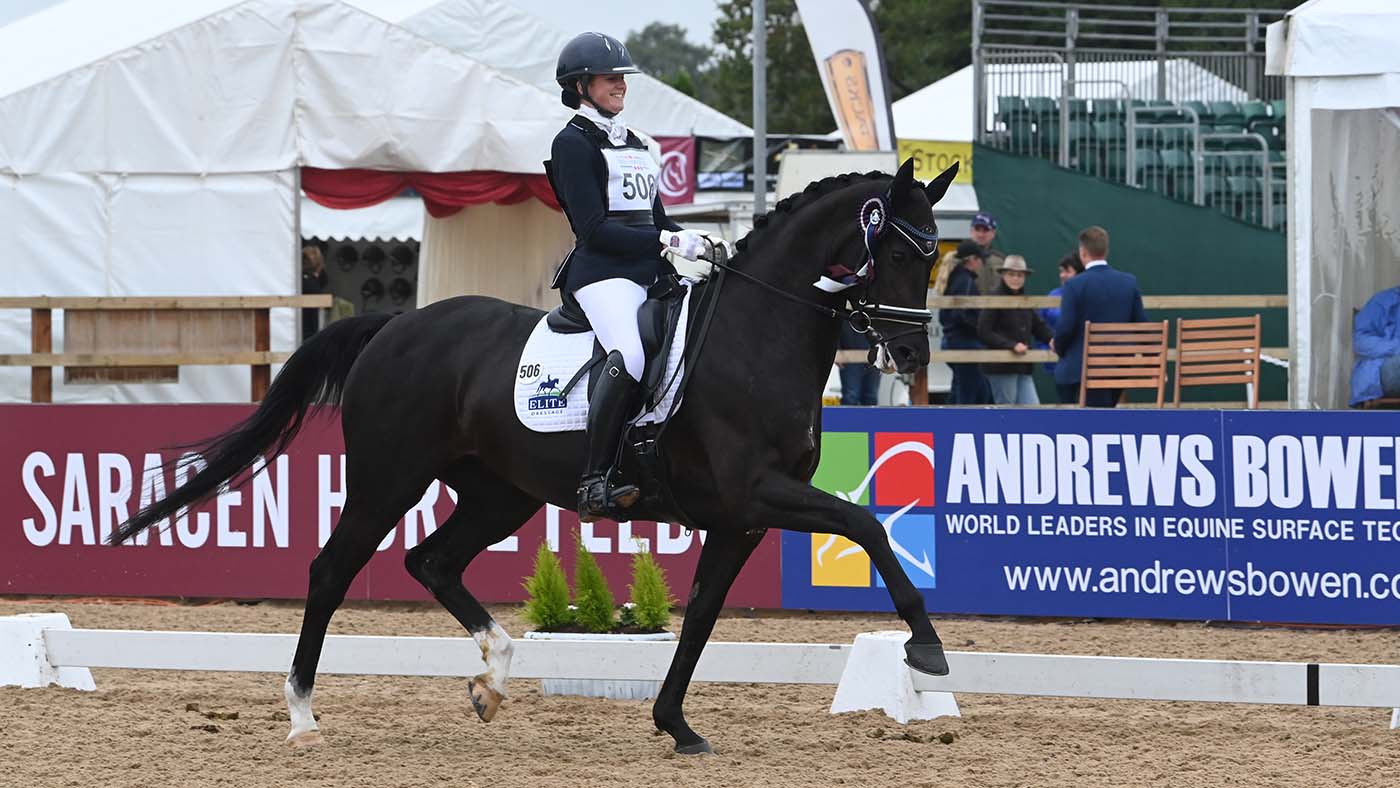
(931, 158)
(1263, 516)
(846, 46)
(677, 170)
(70, 473)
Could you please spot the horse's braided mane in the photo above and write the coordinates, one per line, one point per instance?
(796, 202)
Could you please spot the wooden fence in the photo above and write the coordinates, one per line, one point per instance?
(149, 335)
(919, 389)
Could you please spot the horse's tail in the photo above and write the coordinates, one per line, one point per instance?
(313, 377)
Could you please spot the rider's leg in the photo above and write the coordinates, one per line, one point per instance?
(611, 306)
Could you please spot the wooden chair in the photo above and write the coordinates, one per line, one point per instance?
(1124, 356)
(1220, 350)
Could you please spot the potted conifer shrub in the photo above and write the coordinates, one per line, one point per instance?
(595, 616)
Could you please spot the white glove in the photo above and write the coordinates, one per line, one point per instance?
(684, 243)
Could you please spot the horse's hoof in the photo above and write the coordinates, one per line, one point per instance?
(299, 741)
(926, 658)
(701, 747)
(484, 699)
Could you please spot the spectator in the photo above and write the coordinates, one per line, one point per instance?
(313, 281)
(969, 385)
(860, 382)
(1069, 266)
(1014, 330)
(984, 232)
(1100, 295)
(1375, 342)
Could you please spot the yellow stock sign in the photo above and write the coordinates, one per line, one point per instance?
(931, 158)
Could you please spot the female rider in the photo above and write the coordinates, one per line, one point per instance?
(606, 181)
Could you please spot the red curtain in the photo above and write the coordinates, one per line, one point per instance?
(444, 193)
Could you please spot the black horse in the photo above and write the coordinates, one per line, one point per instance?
(428, 395)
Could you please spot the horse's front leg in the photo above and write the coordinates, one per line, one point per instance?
(798, 506)
(721, 559)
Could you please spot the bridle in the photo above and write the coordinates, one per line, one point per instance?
(875, 219)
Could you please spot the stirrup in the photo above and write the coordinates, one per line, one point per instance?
(597, 499)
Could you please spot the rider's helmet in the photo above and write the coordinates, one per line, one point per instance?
(587, 55)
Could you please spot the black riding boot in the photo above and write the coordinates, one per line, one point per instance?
(612, 404)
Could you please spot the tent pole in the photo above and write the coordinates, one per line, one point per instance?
(760, 108)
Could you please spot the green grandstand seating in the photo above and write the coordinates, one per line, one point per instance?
(1020, 135)
(1216, 190)
(1278, 108)
(1243, 165)
(1227, 113)
(1247, 194)
(1176, 137)
(1147, 165)
(1011, 108)
(1109, 109)
(1047, 136)
(1078, 108)
(1202, 111)
(1042, 107)
(1253, 109)
(1181, 173)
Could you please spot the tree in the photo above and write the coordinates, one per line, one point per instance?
(796, 102)
(663, 52)
(923, 42)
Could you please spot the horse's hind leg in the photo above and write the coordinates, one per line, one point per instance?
(488, 510)
(370, 513)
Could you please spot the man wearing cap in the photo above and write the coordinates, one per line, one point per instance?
(969, 385)
(984, 232)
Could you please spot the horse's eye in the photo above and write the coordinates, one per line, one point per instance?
(898, 256)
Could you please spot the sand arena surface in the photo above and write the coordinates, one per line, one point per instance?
(384, 731)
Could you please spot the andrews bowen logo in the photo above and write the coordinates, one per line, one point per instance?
(898, 489)
(548, 396)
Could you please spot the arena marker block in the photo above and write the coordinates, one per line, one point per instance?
(876, 677)
(24, 656)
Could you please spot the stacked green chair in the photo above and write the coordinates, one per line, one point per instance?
(1179, 167)
(1110, 139)
(1147, 168)
(1278, 108)
(1082, 152)
(1252, 111)
(1227, 113)
(1109, 110)
(1217, 190)
(1248, 196)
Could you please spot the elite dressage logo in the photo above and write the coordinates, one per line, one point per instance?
(897, 487)
(547, 396)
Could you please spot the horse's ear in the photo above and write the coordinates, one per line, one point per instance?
(938, 187)
(903, 179)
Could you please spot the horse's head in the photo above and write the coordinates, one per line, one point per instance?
(899, 246)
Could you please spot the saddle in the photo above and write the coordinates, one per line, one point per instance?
(657, 319)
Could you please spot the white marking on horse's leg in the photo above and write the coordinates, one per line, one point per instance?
(305, 732)
(488, 689)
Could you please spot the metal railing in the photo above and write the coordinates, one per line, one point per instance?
(1165, 99)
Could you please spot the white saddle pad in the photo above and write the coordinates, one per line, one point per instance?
(549, 361)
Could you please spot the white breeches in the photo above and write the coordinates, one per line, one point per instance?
(611, 306)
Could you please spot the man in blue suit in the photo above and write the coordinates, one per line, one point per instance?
(1099, 295)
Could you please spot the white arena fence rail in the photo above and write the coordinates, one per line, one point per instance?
(872, 679)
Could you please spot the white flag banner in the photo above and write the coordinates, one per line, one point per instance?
(846, 46)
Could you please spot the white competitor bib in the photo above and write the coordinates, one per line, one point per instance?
(549, 361)
(632, 179)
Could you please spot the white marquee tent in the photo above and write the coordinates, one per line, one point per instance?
(517, 43)
(154, 149)
(1343, 70)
